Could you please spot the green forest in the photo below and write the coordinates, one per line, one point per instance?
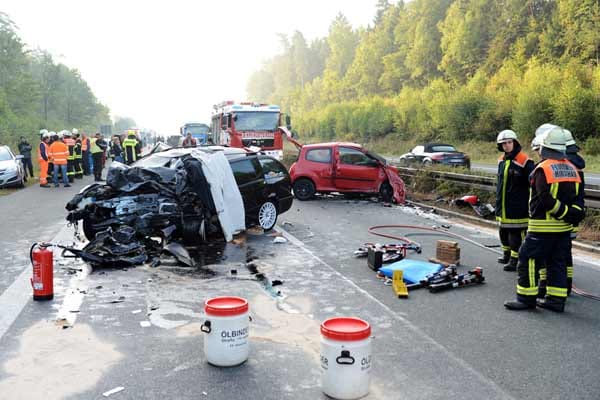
(37, 92)
(450, 70)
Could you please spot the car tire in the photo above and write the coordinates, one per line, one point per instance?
(386, 193)
(427, 163)
(304, 189)
(267, 215)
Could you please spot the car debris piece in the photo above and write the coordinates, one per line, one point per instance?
(113, 391)
(145, 324)
(136, 311)
(280, 239)
(483, 210)
(119, 300)
(180, 253)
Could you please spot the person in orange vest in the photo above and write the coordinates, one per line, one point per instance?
(59, 153)
(70, 142)
(43, 158)
(554, 207)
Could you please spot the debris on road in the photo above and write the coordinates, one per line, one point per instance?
(483, 210)
(280, 240)
(145, 324)
(113, 391)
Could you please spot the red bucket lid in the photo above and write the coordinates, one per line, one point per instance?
(226, 306)
(345, 329)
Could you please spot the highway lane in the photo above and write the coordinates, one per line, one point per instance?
(459, 344)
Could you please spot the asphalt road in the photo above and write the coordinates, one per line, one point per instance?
(459, 344)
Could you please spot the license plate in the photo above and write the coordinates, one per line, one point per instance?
(258, 135)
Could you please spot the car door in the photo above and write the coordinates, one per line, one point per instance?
(251, 183)
(355, 171)
(318, 163)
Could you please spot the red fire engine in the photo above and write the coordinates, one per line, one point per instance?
(249, 125)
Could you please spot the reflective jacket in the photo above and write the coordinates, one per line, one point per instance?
(71, 145)
(554, 204)
(512, 189)
(43, 152)
(579, 163)
(58, 153)
(131, 150)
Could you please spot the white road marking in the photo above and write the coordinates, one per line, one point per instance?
(395, 315)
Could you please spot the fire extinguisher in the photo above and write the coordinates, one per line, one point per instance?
(43, 272)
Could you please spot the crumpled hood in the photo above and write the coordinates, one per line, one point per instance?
(397, 183)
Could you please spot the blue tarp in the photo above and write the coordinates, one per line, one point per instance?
(413, 270)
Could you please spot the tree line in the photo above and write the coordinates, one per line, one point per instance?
(443, 70)
(37, 92)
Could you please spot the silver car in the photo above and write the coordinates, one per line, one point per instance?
(12, 172)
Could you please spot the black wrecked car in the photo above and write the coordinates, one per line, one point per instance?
(187, 194)
(435, 153)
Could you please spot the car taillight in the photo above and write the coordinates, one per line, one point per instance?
(437, 157)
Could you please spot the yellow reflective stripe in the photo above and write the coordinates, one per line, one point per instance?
(504, 184)
(505, 248)
(514, 254)
(533, 291)
(576, 188)
(531, 270)
(565, 213)
(556, 291)
(577, 207)
(554, 190)
(556, 207)
(513, 221)
(569, 271)
(543, 274)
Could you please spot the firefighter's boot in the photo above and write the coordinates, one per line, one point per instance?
(505, 257)
(517, 305)
(512, 264)
(552, 303)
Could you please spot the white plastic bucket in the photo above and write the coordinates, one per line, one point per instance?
(227, 327)
(345, 358)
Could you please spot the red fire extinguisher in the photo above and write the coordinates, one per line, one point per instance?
(43, 272)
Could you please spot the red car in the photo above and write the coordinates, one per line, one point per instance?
(345, 168)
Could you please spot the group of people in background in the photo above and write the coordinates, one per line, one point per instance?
(539, 207)
(69, 155)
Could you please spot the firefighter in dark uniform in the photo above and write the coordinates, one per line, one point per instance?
(70, 142)
(512, 196)
(131, 148)
(579, 163)
(77, 155)
(553, 209)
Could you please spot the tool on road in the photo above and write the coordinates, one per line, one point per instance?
(398, 285)
(43, 271)
(474, 276)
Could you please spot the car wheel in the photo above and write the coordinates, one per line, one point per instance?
(403, 162)
(427, 163)
(304, 189)
(267, 215)
(21, 183)
(386, 192)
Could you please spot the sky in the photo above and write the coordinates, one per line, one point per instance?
(164, 63)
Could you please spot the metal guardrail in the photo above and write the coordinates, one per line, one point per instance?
(592, 192)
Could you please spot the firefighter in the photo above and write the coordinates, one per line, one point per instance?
(97, 147)
(68, 140)
(77, 155)
(53, 138)
(512, 194)
(131, 148)
(579, 163)
(85, 154)
(43, 158)
(553, 208)
(59, 154)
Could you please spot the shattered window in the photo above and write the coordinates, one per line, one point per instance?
(244, 171)
(319, 155)
(353, 157)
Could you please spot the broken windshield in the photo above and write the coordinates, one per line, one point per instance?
(256, 121)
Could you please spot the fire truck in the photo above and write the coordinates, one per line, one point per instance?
(249, 125)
